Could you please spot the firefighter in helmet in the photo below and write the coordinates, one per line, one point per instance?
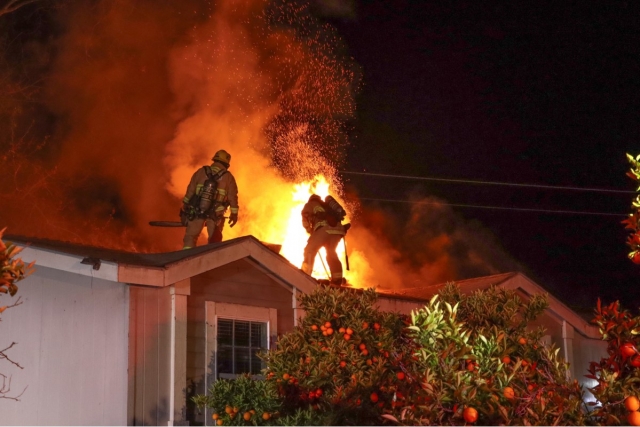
(211, 190)
(326, 230)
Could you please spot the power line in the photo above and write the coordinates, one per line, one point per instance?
(471, 181)
(497, 207)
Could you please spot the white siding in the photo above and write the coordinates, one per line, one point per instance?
(72, 342)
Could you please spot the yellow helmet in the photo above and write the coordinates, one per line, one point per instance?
(222, 157)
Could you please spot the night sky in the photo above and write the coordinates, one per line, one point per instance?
(524, 92)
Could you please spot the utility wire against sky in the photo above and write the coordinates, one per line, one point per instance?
(423, 202)
(478, 182)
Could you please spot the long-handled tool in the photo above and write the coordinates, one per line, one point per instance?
(346, 255)
(324, 265)
(344, 240)
(166, 224)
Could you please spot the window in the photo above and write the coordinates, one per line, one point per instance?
(239, 343)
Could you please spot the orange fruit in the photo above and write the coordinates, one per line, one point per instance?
(471, 366)
(327, 324)
(508, 393)
(235, 409)
(347, 337)
(342, 330)
(329, 331)
(349, 331)
(522, 340)
(228, 409)
(634, 418)
(266, 416)
(335, 315)
(323, 328)
(247, 416)
(369, 362)
(506, 360)
(524, 363)
(400, 375)
(215, 416)
(219, 422)
(627, 349)
(343, 363)
(365, 325)
(374, 397)
(362, 346)
(314, 327)
(285, 377)
(470, 415)
(365, 352)
(376, 326)
(253, 411)
(632, 403)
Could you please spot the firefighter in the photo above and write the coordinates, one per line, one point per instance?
(325, 229)
(211, 190)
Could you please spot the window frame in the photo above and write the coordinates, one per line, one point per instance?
(234, 346)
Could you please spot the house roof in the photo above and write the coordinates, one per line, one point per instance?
(160, 269)
(512, 280)
(469, 285)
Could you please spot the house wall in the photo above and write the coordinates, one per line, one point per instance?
(71, 332)
(585, 351)
(149, 356)
(236, 283)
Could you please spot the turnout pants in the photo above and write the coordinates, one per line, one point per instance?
(321, 239)
(194, 228)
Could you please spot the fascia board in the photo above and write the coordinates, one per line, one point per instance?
(184, 269)
(556, 306)
(70, 263)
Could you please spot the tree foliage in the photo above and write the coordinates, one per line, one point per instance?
(631, 223)
(460, 359)
(12, 270)
(618, 374)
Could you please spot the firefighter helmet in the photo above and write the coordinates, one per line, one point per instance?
(314, 197)
(222, 156)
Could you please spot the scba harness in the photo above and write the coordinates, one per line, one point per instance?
(203, 203)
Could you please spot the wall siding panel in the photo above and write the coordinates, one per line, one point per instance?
(62, 331)
(241, 283)
(150, 314)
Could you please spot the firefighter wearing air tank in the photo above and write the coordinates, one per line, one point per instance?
(323, 221)
(211, 190)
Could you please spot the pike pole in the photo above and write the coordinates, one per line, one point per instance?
(344, 240)
(346, 256)
(324, 265)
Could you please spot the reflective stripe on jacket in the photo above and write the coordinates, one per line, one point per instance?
(226, 193)
(313, 217)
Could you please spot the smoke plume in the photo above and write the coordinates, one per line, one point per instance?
(137, 94)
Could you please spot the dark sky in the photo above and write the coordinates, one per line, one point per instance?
(524, 92)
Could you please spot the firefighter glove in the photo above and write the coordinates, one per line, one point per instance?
(233, 218)
(184, 217)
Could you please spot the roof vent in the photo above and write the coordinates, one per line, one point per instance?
(95, 262)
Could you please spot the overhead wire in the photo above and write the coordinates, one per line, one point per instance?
(422, 202)
(479, 182)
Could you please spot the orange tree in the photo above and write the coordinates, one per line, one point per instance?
(12, 270)
(632, 222)
(461, 359)
(618, 374)
(479, 362)
(347, 361)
